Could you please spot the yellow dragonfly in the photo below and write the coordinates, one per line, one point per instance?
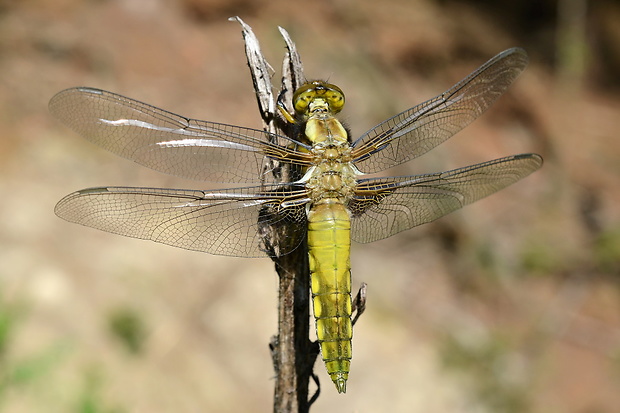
(328, 201)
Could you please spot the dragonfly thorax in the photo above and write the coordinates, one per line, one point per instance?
(326, 130)
(331, 181)
(333, 175)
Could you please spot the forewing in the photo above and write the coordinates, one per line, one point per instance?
(226, 222)
(419, 129)
(385, 206)
(171, 143)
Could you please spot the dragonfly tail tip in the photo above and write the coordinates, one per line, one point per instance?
(341, 385)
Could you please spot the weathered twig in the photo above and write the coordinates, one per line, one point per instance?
(293, 353)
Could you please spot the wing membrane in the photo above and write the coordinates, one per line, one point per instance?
(419, 129)
(383, 207)
(170, 143)
(226, 222)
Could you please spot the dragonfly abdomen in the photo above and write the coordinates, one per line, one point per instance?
(329, 244)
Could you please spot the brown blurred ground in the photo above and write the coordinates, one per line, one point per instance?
(511, 305)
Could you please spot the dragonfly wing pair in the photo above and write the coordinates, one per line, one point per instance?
(226, 221)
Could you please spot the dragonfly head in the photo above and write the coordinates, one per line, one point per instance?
(307, 93)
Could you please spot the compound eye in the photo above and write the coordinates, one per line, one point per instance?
(303, 100)
(336, 100)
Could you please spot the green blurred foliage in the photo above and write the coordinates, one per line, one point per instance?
(17, 372)
(490, 369)
(607, 252)
(128, 327)
(25, 375)
(539, 258)
(90, 399)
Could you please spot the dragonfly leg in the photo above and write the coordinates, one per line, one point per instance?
(359, 302)
(282, 108)
(316, 394)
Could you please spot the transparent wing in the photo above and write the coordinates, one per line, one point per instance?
(226, 222)
(171, 143)
(385, 206)
(419, 129)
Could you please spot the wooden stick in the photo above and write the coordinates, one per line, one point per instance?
(292, 351)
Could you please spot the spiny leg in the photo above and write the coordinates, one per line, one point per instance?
(359, 302)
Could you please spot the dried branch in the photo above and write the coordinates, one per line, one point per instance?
(293, 353)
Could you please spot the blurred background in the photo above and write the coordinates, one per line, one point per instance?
(510, 305)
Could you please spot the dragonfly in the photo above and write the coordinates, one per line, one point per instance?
(327, 200)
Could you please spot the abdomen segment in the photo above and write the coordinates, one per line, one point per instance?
(329, 243)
